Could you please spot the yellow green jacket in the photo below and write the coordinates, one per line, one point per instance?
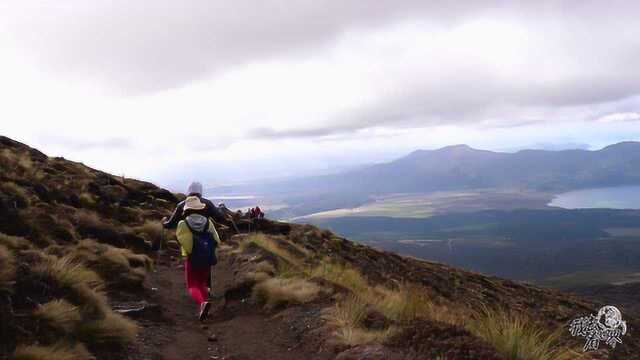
(185, 239)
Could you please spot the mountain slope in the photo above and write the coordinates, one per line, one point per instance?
(308, 292)
(70, 235)
(456, 167)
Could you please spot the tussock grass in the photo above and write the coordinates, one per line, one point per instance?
(7, 267)
(16, 193)
(258, 277)
(151, 231)
(265, 267)
(263, 271)
(517, 338)
(14, 242)
(341, 275)
(408, 302)
(89, 224)
(277, 291)
(270, 245)
(113, 263)
(56, 352)
(114, 329)
(349, 312)
(87, 200)
(357, 336)
(83, 285)
(67, 272)
(59, 314)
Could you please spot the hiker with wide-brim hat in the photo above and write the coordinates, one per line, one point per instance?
(198, 241)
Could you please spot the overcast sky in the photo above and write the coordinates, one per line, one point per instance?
(232, 90)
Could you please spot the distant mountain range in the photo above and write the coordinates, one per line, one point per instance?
(458, 167)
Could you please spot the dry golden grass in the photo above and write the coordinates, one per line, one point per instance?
(7, 267)
(138, 260)
(270, 245)
(278, 291)
(265, 267)
(113, 329)
(112, 262)
(258, 277)
(357, 336)
(56, 352)
(408, 302)
(59, 314)
(14, 242)
(348, 312)
(339, 274)
(83, 285)
(151, 231)
(517, 338)
(87, 200)
(16, 193)
(67, 272)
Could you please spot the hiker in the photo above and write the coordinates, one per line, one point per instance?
(195, 189)
(210, 211)
(259, 213)
(198, 240)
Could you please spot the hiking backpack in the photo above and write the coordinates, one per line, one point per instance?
(203, 253)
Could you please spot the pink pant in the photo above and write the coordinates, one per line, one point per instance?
(197, 280)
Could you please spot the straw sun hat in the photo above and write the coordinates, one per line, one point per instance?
(193, 203)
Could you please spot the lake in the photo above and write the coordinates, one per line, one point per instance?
(620, 197)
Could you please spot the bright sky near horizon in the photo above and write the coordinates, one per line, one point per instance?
(232, 90)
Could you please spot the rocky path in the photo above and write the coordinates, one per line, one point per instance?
(236, 329)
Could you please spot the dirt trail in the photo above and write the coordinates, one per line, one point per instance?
(242, 329)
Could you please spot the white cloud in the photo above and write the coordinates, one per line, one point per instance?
(257, 89)
(618, 117)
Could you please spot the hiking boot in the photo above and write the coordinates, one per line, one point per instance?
(204, 310)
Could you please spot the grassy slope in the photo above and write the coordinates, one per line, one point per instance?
(68, 237)
(51, 208)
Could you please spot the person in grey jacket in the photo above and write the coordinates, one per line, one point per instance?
(211, 211)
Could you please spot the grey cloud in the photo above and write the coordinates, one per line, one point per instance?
(84, 144)
(144, 46)
(147, 46)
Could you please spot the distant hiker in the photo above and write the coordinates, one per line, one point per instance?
(198, 240)
(259, 213)
(211, 211)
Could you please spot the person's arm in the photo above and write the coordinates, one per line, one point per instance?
(213, 211)
(176, 216)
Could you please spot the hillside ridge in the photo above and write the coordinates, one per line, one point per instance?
(76, 241)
